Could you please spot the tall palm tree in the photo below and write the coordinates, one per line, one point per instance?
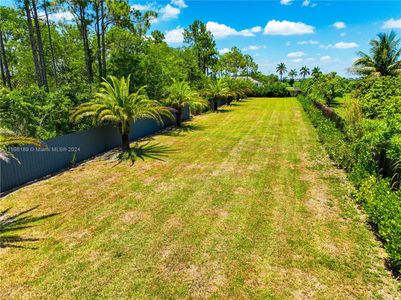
(304, 71)
(316, 72)
(115, 104)
(216, 90)
(293, 73)
(281, 69)
(9, 138)
(384, 58)
(180, 95)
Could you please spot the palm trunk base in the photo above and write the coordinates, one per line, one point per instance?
(125, 142)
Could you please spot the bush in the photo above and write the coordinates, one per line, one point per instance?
(274, 89)
(383, 207)
(35, 113)
(363, 157)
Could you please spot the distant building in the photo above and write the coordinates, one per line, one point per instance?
(254, 81)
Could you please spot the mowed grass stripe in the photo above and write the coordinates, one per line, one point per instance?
(248, 206)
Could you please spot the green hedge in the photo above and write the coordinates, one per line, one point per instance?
(374, 193)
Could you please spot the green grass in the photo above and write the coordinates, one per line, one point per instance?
(244, 204)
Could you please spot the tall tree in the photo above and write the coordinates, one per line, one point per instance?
(80, 9)
(41, 53)
(46, 4)
(5, 71)
(201, 40)
(316, 72)
(281, 69)
(293, 73)
(384, 58)
(33, 43)
(304, 71)
(98, 31)
(103, 27)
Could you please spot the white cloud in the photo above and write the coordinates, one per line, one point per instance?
(340, 45)
(310, 42)
(175, 36)
(224, 50)
(343, 34)
(143, 7)
(253, 47)
(274, 27)
(288, 44)
(343, 45)
(297, 60)
(169, 12)
(222, 30)
(325, 58)
(310, 59)
(179, 3)
(65, 15)
(392, 23)
(285, 2)
(306, 3)
(339, 25)
(256, 29)
(313, 5)
(296, 54)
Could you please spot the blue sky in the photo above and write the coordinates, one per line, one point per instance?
(298, 32)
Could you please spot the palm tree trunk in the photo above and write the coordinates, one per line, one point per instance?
(178, 117)
(33, 43)
(7, 76)
(51, 45)
(125, 141)
(215, 104)
(40, 46)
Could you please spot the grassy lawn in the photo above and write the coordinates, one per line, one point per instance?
(245, 204)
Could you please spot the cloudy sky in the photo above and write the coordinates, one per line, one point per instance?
(305, 32)
(298, 32)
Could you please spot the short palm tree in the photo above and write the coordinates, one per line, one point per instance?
(384, 58)
(281, 69)
(237, 88)
(179, 95)
(304, 71)
(216, 90)
(316, 72)
(9, 139)
(115, 104)
(293, 73)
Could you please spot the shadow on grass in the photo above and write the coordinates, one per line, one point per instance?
(176, 131)
(145, 151)
(223, 110)
(10, 224)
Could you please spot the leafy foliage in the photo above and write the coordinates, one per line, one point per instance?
(115, 104)
(384, 58)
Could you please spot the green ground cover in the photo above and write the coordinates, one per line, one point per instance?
(243, 204)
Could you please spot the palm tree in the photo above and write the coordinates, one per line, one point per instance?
(304, 71)
(383, 59)
(215, 91)
(9, 138)
(316, 72)
(293, 73)
(115, 104)
(281, 70)
(180, 95)
(238, 89)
